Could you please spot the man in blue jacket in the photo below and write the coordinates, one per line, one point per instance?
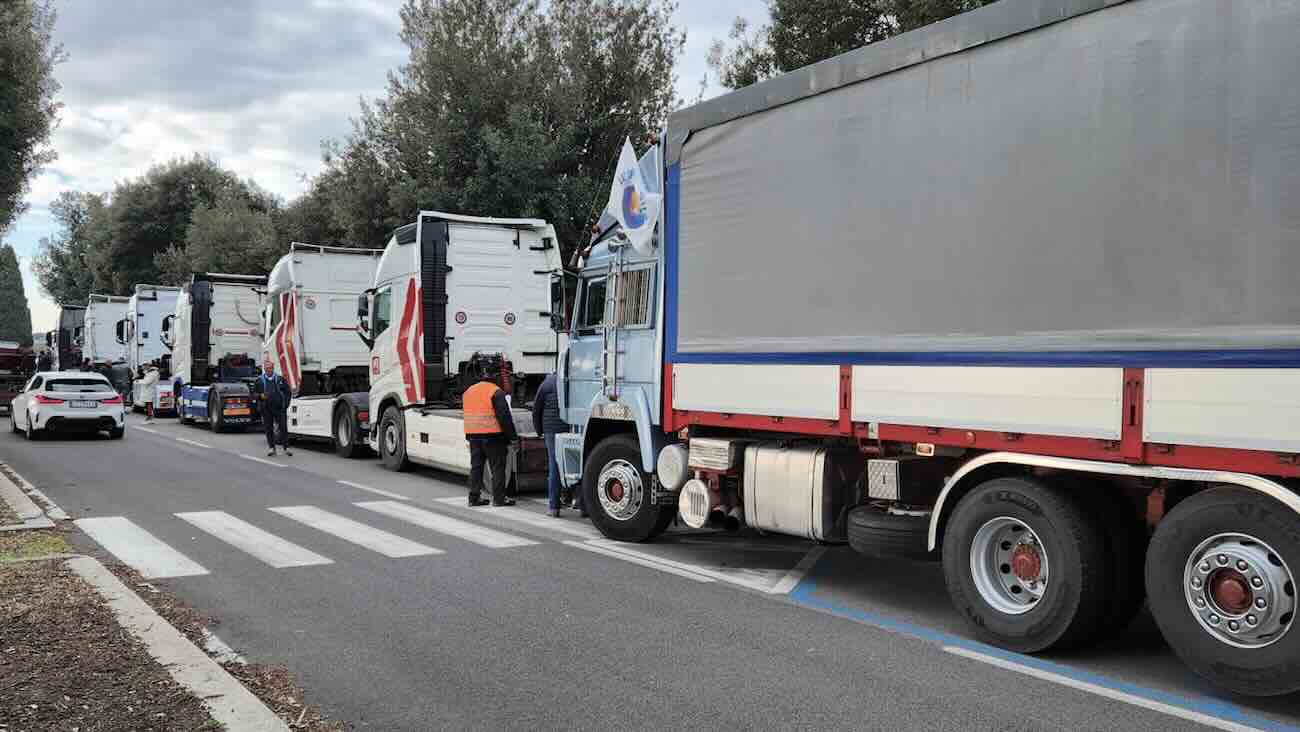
(547, 422)
(273, 395)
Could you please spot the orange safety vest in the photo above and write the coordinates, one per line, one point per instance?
(480, 416)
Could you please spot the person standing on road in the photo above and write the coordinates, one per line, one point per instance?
(44, 362)
(150, 390)
(489, 428)
(273, 394)
(547, 421)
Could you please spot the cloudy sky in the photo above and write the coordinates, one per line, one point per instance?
(256, 85)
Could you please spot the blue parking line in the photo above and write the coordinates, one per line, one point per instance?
(805, 594)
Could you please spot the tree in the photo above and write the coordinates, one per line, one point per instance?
(15, 317)
(803, 32)
(505, 108)
(230, 236)
(64, 263)
(28, 111)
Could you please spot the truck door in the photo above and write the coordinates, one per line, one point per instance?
(585, 363)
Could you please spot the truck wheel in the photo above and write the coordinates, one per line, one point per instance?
(1220, 578)
(616, 492)
(1025, 563)
(345, 436)
(392, 440)
(1125, 534)
(214, 412)
(874, 532)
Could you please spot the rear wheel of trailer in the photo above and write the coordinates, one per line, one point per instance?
(1221, 582)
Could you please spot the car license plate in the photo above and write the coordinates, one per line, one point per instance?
(83, 404)
(236, 411)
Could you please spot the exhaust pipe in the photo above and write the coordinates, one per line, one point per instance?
(734, 519)
(717, 517)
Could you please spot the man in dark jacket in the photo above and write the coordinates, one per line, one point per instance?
(546, 418)
(273, 394)
(489, 429)
(44, 362)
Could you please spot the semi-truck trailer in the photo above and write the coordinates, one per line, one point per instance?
(141, 334)
(1013, 292)
(214, 339)
(451, 294)
(65, 341)
(104, 314)
(310, 333)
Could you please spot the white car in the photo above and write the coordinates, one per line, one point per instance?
(71, 401)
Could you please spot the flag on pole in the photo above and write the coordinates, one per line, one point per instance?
(632, 202)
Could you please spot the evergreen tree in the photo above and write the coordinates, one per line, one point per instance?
(15, 318)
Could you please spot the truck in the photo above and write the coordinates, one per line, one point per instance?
(140, 331)
(454, 295)
(65, 341)
(214, 339)
(101, 343)
(310, 333)
(1012, 293)
(17, 364)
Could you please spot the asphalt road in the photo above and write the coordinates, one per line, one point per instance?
(401, 609)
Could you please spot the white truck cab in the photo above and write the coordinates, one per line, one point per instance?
(449, 287)
(141, 333)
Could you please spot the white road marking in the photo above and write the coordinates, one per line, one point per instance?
(191, 442)
(390, 545)
(524, 516)
(260, 460)
(1099, 690)
(588, 546)
(376, 491)
(219, 651)
(755, 579)
(447, 525)
(139, 549)
(145, 429)
(796, 574)
(261, 544)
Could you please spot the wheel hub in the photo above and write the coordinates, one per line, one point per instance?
(390, 439)
(619, 490)
(1240, 590)
(1009, 565)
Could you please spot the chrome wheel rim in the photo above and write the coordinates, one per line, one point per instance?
(390, 439)
(1009, 565)
(1240, 590)
(619, 490)
(341, 432)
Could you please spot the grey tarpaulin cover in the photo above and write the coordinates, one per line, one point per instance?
(1127, 179)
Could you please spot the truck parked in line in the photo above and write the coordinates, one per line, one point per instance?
(17, 363)
(452, 294)
(214, 340)
(310, 334)
(141, 334)
(104, 313)
(1013, 292)
(65, 341)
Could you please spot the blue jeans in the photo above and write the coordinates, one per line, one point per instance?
(552, 474)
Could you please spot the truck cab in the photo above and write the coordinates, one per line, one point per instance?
(141, 333)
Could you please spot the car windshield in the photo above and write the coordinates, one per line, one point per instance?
(78, 385)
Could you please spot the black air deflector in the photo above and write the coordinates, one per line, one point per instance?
(200, 323)
(434, 235)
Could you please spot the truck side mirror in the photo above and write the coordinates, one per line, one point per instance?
(120, 331)
(363, 319)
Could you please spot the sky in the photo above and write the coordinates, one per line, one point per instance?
(255, 85)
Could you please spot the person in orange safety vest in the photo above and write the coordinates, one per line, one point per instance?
(489, 428)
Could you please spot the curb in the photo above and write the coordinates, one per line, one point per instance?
(227, 700)
(16, 491)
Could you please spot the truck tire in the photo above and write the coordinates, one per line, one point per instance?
(1125, 534)
(616, 492)
(392, 440)
(214, 411)
(1025, 563)
(1221, 586)
(345, 438)
(875, 533)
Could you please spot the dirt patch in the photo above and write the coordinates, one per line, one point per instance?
(31, 543)
(274, 685)
(66, 664)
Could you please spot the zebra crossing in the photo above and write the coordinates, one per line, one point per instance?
(153, 558)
